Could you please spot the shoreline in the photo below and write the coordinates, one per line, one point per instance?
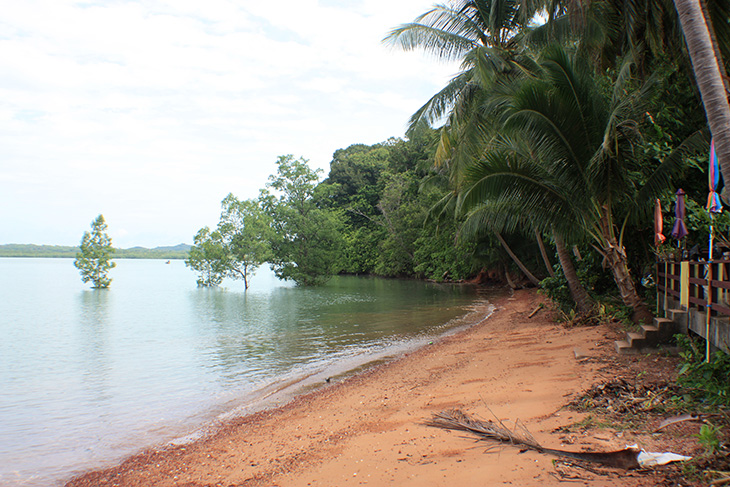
(357, 426)
(280, 393)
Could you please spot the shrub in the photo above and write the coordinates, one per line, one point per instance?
(706, 382)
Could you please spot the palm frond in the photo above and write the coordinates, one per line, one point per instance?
(519, 183)
(446, 46)
(444, 31)
(443, 209)
(441, 103)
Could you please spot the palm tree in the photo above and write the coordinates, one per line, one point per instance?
(708, 74)
(497, 214)
(485, 36)
(607, 30)
(479, 33)
(616, 27)
(565, 161)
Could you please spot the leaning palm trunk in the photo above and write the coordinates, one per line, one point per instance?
(715, 44)
(582, 300)
(517, 260)
(708, 77)
(543, 252)
(615, 259)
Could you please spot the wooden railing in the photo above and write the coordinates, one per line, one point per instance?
(687, 283)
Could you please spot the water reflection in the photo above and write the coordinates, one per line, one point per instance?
(93, 336)
(254, 335)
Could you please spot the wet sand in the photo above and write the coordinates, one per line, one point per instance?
(367, 429)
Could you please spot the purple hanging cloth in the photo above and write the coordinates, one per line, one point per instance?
(679, 231)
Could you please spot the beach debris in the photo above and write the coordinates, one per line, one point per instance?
(580, 354)
(653, 459)
(619, 396)
(678, 419)
(628, 458)
(725, 480)
(534, 311)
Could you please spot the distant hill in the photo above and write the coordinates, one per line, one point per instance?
(179, 251)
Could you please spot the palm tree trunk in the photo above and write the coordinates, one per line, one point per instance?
(708, 77)
(507, 277)
(616, 260)
(582, 300)
(715, 45)
(543, 252)
(517, 261)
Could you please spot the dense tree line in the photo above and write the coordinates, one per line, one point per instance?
(369, 216)
(558, 140)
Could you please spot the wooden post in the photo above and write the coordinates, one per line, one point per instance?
(684, 284)
(708, 310)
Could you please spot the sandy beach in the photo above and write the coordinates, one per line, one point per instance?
(368, 429)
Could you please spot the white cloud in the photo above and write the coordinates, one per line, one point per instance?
(151, 112)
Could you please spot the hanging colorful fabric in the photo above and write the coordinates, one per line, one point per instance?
(659, 237)
(714, 205)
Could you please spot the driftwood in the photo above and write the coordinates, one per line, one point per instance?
(534, 311)
(721, 481)
(678, 419)
(456, 420)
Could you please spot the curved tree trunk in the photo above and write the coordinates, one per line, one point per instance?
(616, 260)
(507, 278)
(715, 45)
(583, 301)
(708, 78)
(517, 261)
(543, 252)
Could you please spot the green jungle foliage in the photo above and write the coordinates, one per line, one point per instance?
(369, 216)
(595, 278)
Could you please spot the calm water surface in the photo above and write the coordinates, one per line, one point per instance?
(90, 376)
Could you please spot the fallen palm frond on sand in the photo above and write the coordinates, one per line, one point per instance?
(455, 419)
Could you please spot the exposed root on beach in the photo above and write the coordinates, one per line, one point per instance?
(455, 419)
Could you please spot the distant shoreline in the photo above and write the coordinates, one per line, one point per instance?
(60, 251)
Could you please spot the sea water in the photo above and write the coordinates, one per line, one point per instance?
(89, 376)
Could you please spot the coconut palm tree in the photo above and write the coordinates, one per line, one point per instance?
(505, 215)
(607, 30)
(485, 36)
(611, 28)
(565, 160)
(708, 74)
(479, 33)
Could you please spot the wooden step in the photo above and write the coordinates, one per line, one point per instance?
(677, 315)
(660, 332)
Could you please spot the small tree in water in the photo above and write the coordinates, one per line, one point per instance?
(94, 260)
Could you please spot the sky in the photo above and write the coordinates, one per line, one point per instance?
(150, 112)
